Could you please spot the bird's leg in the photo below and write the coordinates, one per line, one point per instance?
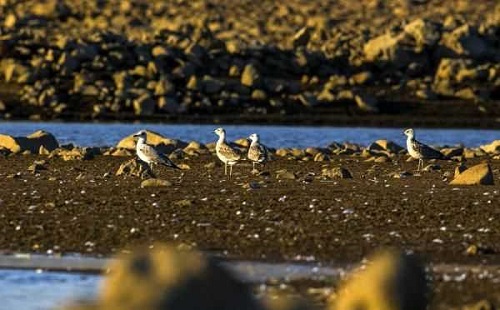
(230, 171)
(225, 168)
(253, 165)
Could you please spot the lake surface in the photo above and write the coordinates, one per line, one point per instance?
(108, 134)
(35, 290)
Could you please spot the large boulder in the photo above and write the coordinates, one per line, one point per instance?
(167, 278)
(423, 32)
(161, 143)
(392, 281)
(465, 41)
(385, 146)
(476, 175)
(31, 143)
(388, 49)
(400, 49)
(492, 148)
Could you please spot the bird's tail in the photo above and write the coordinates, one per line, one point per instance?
(171, 165)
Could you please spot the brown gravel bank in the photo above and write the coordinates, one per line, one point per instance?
(81, 206)
(333, 62)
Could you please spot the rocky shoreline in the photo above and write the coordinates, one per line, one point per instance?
(333, 61)
(333, 205)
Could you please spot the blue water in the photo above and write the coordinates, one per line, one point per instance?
(32, 290)
(108, 134)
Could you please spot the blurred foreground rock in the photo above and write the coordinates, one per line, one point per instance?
(166, 278)
(391, 281)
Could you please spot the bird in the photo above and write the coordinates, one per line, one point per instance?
(148, 154)
(420, 151)
(257, 152)
(228, 155)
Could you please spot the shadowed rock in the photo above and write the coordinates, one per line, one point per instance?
(476, 175)
(135, 167)
(31, 143)
(155, 183)
(336, 173)
(161, 143)
(165, 278)
(392, 281)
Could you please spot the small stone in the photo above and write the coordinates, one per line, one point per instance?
(382, 159)
(472, 250)
(321, 157)
(401, 175)
(480, 305)
(336, 173)
(155, 183)
(184, 166)
(302, 37)
(432, 167)
(250, 76)
(366, 103)
(210, 165)
(285, 175)
(361, 78)
(183, 203)
(134, 167)
(144, 105)
(37, 166)
(252, 185)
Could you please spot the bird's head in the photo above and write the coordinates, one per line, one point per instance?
(253, 137)
(220, 131)
(409, 133)
(140, 134)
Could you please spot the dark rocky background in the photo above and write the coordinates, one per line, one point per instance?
(372, 62)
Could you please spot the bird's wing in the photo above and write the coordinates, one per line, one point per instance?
(150, 152)
(156, 157)
(427, 151)
(264, 153)
(167, 162)
(228, 152)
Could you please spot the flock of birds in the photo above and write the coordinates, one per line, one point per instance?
(258, 154)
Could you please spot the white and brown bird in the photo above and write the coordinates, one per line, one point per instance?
(148, 154)
(257, 152)
(227, 154)
(420, 151)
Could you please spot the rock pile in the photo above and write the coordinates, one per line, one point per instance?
(141, 59)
